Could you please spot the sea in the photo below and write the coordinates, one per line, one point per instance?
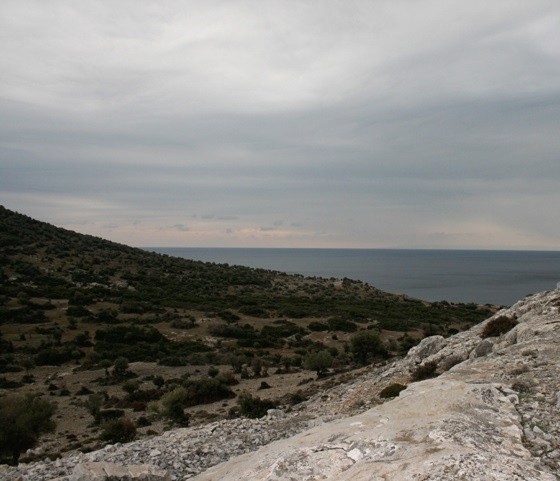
(467, 276)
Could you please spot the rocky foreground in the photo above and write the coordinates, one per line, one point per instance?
(492, 414)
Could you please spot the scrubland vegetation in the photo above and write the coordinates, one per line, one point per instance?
(151, 338)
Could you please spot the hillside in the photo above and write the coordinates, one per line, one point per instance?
(489, 412)
(72, 305)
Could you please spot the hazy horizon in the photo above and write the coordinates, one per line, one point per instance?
(293, 124)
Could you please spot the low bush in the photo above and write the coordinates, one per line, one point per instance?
(206, 391)
(340, 324)
(120, 430)
(317, 326)
(8, 384)
(392, 390)
(424, 371)
(498, 326)
(253, 406)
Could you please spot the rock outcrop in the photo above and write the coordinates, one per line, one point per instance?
(493, 413)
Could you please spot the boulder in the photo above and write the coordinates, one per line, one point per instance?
(427, 347)
(484, 348)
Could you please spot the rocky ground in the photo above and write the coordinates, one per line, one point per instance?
(493, 413)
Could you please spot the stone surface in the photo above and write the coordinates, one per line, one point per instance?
(441, 429)
(427, 347)
(104, 471)
(484, 348)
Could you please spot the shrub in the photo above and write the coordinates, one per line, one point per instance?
(110, 414)
(339, 324)
(205, 391)
(318, 361)
(22, 421)
(317, 326)
(120, 430)
(254, 311)
(120, 367)
(296, 398)
(366, 345)
(228, 378)
(392, 390)
(56, 357)
(173, 361)
(424, 371)
(83, 391)
(8, 384)
(172, 406)
(93, 405)
(254, 407)
(131, 386)
(143, 421)
(228, 316)
(498, 326)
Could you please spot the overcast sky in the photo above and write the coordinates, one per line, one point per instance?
(375, 123)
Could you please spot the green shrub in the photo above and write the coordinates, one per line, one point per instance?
(392, 390)
(227, 378)
(318, 361)
(120, 367)
(120, 430)
(254, 311)
(366, 346)
(22, 421)
(173, 361)
(78, 311)
(498, 326)
(317, 326)
(228, 316)
(254, 407)
(340, 324)
(173, 406)
(56, 357)
(204, 391)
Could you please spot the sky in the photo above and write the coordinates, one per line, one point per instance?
(352, 124)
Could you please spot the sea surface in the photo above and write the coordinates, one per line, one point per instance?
(483, 277)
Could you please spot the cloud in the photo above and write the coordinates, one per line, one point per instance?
(369, 124)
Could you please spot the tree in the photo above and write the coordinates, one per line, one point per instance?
(22, 421)
(120, 367)
(172, 406)
(366, 345)
(94, 404)
(318, 361)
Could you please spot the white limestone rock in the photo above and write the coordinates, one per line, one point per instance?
(427, 347)
(104, 471)
(438, 429)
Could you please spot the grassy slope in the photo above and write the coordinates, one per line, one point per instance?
(70, 304)
(45, 261)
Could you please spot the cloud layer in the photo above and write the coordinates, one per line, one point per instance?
(357, 124)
